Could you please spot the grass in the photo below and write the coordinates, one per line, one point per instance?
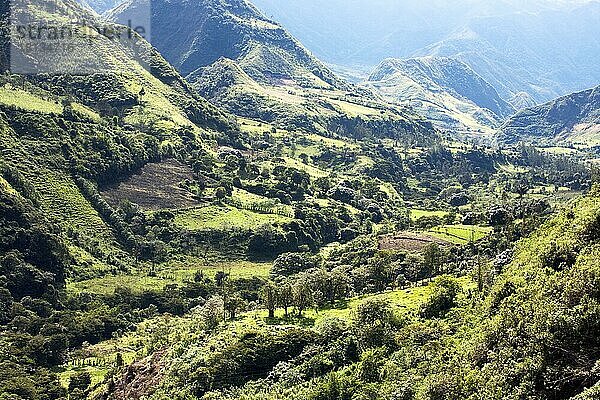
(416, 213)
(224, 217)
(108, 284)
(86, 111)
(460, 234)
(28, 101)
(353, 109)
(309, 169)
(174, 272)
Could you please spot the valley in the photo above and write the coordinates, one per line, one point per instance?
(219, 215)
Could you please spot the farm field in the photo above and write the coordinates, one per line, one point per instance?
(156, 186)
(416, 213)
(460, 234)
(224, 217)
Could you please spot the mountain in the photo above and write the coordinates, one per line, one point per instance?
(545, 54)
(106, 109)
(100, 6)
(572, 119)
(543, 48)
(252, 67)
(445, 90)
(235, 29)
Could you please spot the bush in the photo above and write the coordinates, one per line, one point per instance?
(443, 297)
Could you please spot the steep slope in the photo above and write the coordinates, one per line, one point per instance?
(60, 130)
(444, 90)
(572, 119)
(211, 29)
(251, 66)
(512, 338)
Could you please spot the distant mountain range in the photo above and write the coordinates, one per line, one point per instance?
(444, 90)
(572, 119)
(531, 52)
(473, 71)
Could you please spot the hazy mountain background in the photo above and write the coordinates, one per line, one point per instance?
(530, 51)
(446, 90)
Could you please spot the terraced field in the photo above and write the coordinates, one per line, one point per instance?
(460, 234)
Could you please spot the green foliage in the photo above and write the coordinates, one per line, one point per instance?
(443, 297)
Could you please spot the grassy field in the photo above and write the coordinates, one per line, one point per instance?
(86, 111)
(173, 272)
(224, 217)
(460, 234)
(312, 171)
(415, 214)
(28, 101)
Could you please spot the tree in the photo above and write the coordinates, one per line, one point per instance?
(442, 298)
(433, 258)
(220, 193)
(81, 381)
(303, 297)
(233, 304)
(285, 296)
(268, 297)
(292, 263)
(212, 311)
(119, 360)
(374, 323)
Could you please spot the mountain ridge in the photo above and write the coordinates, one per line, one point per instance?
(571, 119)
(443, 89)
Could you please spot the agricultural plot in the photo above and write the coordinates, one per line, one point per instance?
(460, 234)
(410, 241)
(415, 214)
(156, 186)
(224, 217)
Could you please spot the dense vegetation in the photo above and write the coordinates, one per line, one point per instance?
(153, 246)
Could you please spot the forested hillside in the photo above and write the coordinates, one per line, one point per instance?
(528, 328)
(261, 229)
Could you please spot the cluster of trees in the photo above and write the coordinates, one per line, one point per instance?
(313, 288)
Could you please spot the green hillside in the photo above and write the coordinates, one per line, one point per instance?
(287, 237)
(513, 336)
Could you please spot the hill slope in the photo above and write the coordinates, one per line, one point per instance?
(211, 29)
(251, 66)
(61, 128)
(572, 119)
(445, 90)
